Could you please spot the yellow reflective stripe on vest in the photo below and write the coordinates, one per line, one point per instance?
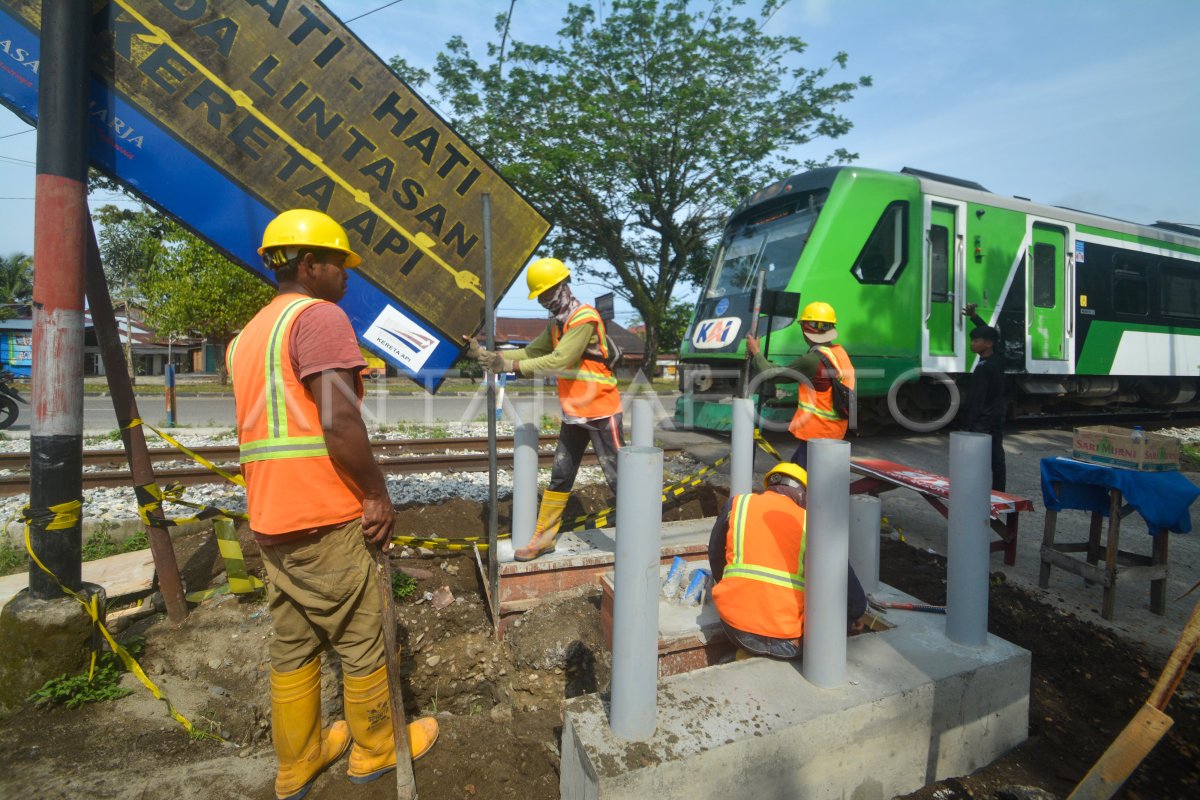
(285, 447)
(277, 422)
(229, 354)
(738, 568)
(818, 412)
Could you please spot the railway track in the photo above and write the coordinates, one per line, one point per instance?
(398, 457)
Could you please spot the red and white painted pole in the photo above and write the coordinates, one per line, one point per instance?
(59, 256)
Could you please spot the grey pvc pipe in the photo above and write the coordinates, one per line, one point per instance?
(865, 515)
(634, 709)
(826, 552)
(967, 549)
(741, 465)
(525, 476)
(643, 423)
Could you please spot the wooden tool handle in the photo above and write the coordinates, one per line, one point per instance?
(1177, 663)
(406, 785)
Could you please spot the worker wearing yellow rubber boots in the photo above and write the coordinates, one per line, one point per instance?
(573, 348)
(296, 386)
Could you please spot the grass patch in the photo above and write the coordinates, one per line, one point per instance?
(12, 558)
(1189, 457)
(74, 691)
(102, 545)
(403, 585)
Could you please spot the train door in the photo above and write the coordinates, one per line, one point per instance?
(1048, 301)
(943, 331)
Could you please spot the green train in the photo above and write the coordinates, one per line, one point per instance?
(1092, 310)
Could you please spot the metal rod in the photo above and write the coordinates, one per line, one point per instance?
(406, 784)
(59, 257)
(643, 423)
(635, 593)
(755, 311)
(489, 324)
(125, 406)
(967, 551)
(741, 464)
(826, 552)
(865, 516)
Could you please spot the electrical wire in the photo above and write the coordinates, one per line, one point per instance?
(18, 133)
(372, 11)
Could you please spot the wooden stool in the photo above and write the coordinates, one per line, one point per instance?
(1117, 562)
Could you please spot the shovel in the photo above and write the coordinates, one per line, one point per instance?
(1149, 725)
(406, 784)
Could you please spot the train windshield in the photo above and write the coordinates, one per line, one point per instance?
(772, 244)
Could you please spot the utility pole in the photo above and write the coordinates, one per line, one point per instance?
(60, 230)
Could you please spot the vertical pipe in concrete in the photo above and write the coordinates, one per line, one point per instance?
(826, 552)
(489, 324)
(525, 475)
(643, 423)
(967, 549)
(635, 595)
(865, 516)
(741, 465)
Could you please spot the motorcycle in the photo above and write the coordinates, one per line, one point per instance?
(8, 400)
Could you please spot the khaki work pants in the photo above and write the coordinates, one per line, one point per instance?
(322, 594)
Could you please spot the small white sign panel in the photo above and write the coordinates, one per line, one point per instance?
(402, 337)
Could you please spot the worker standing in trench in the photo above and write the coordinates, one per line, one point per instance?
(574, 348)
(316, 497)
(756, 553)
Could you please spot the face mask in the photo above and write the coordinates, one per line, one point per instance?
(558, 300)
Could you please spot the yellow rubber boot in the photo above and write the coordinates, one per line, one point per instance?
(303, 749)
(369, 715)
(548, 522)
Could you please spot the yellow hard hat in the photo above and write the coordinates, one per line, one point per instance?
(301, 227)
(818, 312)
(785, 468)
(545, 273)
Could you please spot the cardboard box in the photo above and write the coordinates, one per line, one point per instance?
(1114, 447)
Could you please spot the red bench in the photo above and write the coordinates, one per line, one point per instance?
(881, 476)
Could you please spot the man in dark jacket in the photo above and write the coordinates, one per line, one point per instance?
(986, 398)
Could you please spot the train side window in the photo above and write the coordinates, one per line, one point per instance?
(1130, 293)
(1180, 292)
(1044, 258)
(886, 252)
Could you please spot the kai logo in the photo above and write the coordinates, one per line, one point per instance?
(712, 334)
(401, 337)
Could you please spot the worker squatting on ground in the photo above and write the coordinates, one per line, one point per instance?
(816, 415)
(315, 494)
(573, 347)
(756, 552)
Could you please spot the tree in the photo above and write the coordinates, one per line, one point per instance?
(131, 242)
(673, 325)
(193, 289)
(16, 282)
(636, 132)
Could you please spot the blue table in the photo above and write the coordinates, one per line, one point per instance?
(1161, 498)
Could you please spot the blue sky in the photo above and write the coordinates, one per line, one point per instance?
(1092, 104)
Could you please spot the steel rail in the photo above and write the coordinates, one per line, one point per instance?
(393, 465)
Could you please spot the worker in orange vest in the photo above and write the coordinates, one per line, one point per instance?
(574, 348)
(756, 553)
(316, 497)
(817, 413)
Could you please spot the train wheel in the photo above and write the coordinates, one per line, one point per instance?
(8, 412)
(923, 403)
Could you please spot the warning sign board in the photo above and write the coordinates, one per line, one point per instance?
(224, 112)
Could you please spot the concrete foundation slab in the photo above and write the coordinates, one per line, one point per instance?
(916, 708)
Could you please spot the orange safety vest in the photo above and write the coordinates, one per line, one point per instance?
(815, 417)
(589, 390)
(762, 588)
(291, 482)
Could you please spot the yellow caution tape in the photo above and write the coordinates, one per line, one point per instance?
(199, 459)
(64, 516)
(766, 446)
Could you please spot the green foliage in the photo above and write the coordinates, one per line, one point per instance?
(636, 130)
(12, 558)
(403, 585)
(16, 282)
(102, 545)
(74, 691)
(673, 325)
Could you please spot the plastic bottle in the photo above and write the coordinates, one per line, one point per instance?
(674, 577)
(1139, 434)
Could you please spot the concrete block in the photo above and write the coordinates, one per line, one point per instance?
(916, 708)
